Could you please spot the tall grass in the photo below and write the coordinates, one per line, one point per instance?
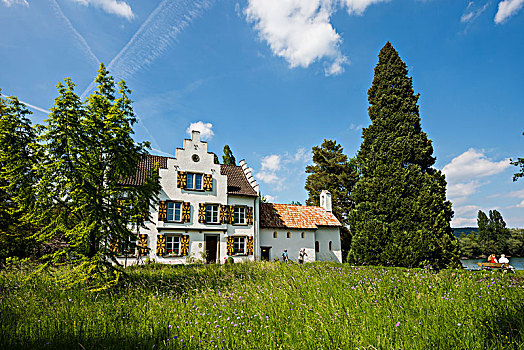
(270, 306)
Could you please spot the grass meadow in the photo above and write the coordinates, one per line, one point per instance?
(267, 306)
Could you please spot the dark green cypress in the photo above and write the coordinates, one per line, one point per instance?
(401, 214)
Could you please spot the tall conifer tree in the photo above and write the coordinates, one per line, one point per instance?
(401, 214)
(228, 158)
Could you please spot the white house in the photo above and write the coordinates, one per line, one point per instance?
(210, 211)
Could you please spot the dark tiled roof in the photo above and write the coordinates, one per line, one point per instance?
(144, 169)
(295, 216)
(236, 181)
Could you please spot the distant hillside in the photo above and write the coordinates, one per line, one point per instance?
(466, 230)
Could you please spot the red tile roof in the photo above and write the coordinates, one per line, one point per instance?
(236, 181)
(295, 216)
(144, 169)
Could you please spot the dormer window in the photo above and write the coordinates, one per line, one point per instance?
(194, 181)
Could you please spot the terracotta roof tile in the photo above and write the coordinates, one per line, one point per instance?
(295, 216)
(236, 181)
(144, 169)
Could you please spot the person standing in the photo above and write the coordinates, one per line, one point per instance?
(285, 256)
(301, 254)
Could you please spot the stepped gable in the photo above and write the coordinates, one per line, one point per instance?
(295, 216)
(144, 169)
(237, 182)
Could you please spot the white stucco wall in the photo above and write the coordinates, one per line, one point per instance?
(324, 235)
(293, 244)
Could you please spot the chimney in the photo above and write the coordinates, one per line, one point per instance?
(325, 200)
(195, 136)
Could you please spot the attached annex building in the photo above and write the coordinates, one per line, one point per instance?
(210, 211)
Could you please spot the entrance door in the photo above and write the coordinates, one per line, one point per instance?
(265, 253)
(211, 242)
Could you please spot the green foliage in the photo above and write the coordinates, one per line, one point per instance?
(518, 162)
(228, 158)
(296, 203)
(76, 179)
(267, 306)
(17, 157)
(333, 171)
(493, 235)
(401, 214)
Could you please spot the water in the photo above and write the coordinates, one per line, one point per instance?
(471, 264)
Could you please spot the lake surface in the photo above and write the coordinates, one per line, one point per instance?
(471, 264)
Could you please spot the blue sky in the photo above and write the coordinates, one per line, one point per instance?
(273, 78)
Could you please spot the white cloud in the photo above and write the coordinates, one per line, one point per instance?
(463, 189)
(271, 163)
(465, 209)
(473, 164)
(10, 3)
(508, 8)
(521, 204)
(206, 129)
(472, 12)
(114, 7)
(301, 156)
(359, 6)
(300, 31)
(463, 222)
(355, 127)
(267, 177)
(518, 194)
(270, 199)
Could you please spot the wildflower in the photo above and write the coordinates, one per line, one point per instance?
(397, 324)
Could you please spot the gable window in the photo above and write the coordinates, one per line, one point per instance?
(172, 245)
(275, 235)
(331, 246)
(194, 181)
(317, 246)
(239, 215)
(289, 235)
(239, 245)
(174, 210)
(303, 235)
(212, 213)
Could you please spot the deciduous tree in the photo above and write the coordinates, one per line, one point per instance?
(228, 158)
(519, 162)
(332, 171)
(401, 216)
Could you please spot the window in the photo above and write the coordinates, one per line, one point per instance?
(127, 248)
(275, 235)
(303, 235)
(239, 244)
(194, 181)
(172, 245)
(174, 210)
(317, 246)
(212, 213)
(331, 246)
(239, 215)
(289, 235)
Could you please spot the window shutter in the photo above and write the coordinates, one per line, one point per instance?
(162, 211)
(249, 215)
(208, 182)
(224, 214)
(181, 179)
(230, 243)
(142, 244)
(184, 245)
(249, 245)
(186, 212)
(114, 247)
(202, 213)
(231, 214)
(160, 245)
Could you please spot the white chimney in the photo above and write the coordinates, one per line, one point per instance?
(325, 200)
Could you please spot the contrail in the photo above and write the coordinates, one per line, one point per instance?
(154, 36)
(81, 41)
(31, 106)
